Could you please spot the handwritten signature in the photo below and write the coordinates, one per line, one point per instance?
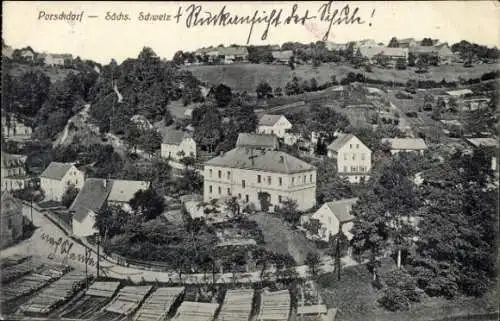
(196, 16)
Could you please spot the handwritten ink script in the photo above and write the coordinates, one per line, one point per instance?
(195, 16)
(63, 247)
(328, 14)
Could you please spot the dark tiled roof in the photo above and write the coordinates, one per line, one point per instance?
(56, 170)
(269, 120)
(268, 161)
(342, 209)
(341, 140)
(257, 141)
(173, 137)
(93, 195)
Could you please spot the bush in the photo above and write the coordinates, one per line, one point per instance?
(394, 300)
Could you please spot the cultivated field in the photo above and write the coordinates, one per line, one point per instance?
(246, 77)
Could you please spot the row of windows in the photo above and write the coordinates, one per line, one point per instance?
(260, 178)
(219, 191)
(346, 156)
(219, 174)
(350, 146)
(354, 169)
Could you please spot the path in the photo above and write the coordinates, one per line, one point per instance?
(49, 242)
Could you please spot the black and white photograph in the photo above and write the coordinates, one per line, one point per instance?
(250, 161)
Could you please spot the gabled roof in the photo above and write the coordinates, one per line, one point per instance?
(173, 137)
(340, 141)
(228, 51)
(124, 190)
(92, 197)
(406, 143)
(257, 141)
(63, 56)
(285, 54)
(269, 120)
(486, 142)
(342, 209)
(371, 51)
(267, 161)
(459, 92)
(56, 170)
(401, 52)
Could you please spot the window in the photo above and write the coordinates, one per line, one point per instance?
(279, 199)
(258, 178)
(220, 174)
(269, 180)
(363, 156)
(353, 168)
(345, 168)
(247, 198)
(9, 223)
(239, 195)
(350, 146)
(357, 145)
(310, 178)
(243, 183)
(345, 156)
(228, 191)
(353, 156)
(293, 180)
(210, 189)
(280, 181)
(305, 179)
(361, 169)
(220, 190)
(76, 182)
(210, 172)
(228, 175)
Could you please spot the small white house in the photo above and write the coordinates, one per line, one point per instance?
(331, 217)
(87, 204)
(177, 145)
(274, 124)
(397, 145)
(57, 177)
(353, 158)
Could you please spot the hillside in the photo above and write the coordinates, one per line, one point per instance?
(55, 74)
(246, 77)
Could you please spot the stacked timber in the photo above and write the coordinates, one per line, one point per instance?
(157, 305)
(17, 267)
(98, 294)
(237, 305)
(55, 294)
(196, 311)
(103, 289)
(275, 306)
(128, 299)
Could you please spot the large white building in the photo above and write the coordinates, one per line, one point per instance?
(245, 172)
(57, 177)
(274, 124)
(177, 145)
(353, 158)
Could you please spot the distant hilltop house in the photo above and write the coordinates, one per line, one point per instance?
(330, 219)
(27, 54)
(96, 193)
(228, 55)
(371, 52)
(57, 177)
(257, 141)
(442, 51)
(52, 59)
(11, 220)
(352, 157)
(274, 124)
(282, 57)
(260, 177)
(177, 144)
(331, 46)
(397, 145)
(13, 171)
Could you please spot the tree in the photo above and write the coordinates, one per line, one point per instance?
(411, 59)
(233, 206)
(208, 133)
(150, 141)
(133, 136)
(190, 181)
(265, 201)
(289, 211)
(148, 204)
(278, 92)
(401, 63)
(393, 43)
(312, 261)
(178, 58)
(69, 195)
(168, 119)
(422, 65)
(264, 90)
(222, 95)
(313, 84)
(427, 42)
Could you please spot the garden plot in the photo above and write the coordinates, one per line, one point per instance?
(237, 305)
(274, 306)
(56, 294)
(196, 311)
(98, 294)
(20, 267)
(128, 299)
(309, 301)
(32, 282)
(158, 304)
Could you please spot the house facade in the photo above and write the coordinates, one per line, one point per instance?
(331, 218)
(13, 127)
(13, 169)
(27, 54)
(274, 125)
(245, 173)
(282, 57)
(57, 59)
(57, 177)
(177, 145)
(11, 220)
(397, 145)
(352, 158)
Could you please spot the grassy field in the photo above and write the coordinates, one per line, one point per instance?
(246, 77)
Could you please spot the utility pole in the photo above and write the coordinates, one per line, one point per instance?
(86, 271)
(98, 245)
(337, 256)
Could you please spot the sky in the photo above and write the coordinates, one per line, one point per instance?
(99, 39)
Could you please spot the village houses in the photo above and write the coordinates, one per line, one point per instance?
(490, 145)
(246, 173)
(94, 195)
(57, 177)
(274, 124)
(177, 144)
(51, 59)
(27, 54)
(11, 220)
(257, 141)
(329, 219)
(397, 145)
(13, 128)
(282, 57)
(352, 157)
(13, 171)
